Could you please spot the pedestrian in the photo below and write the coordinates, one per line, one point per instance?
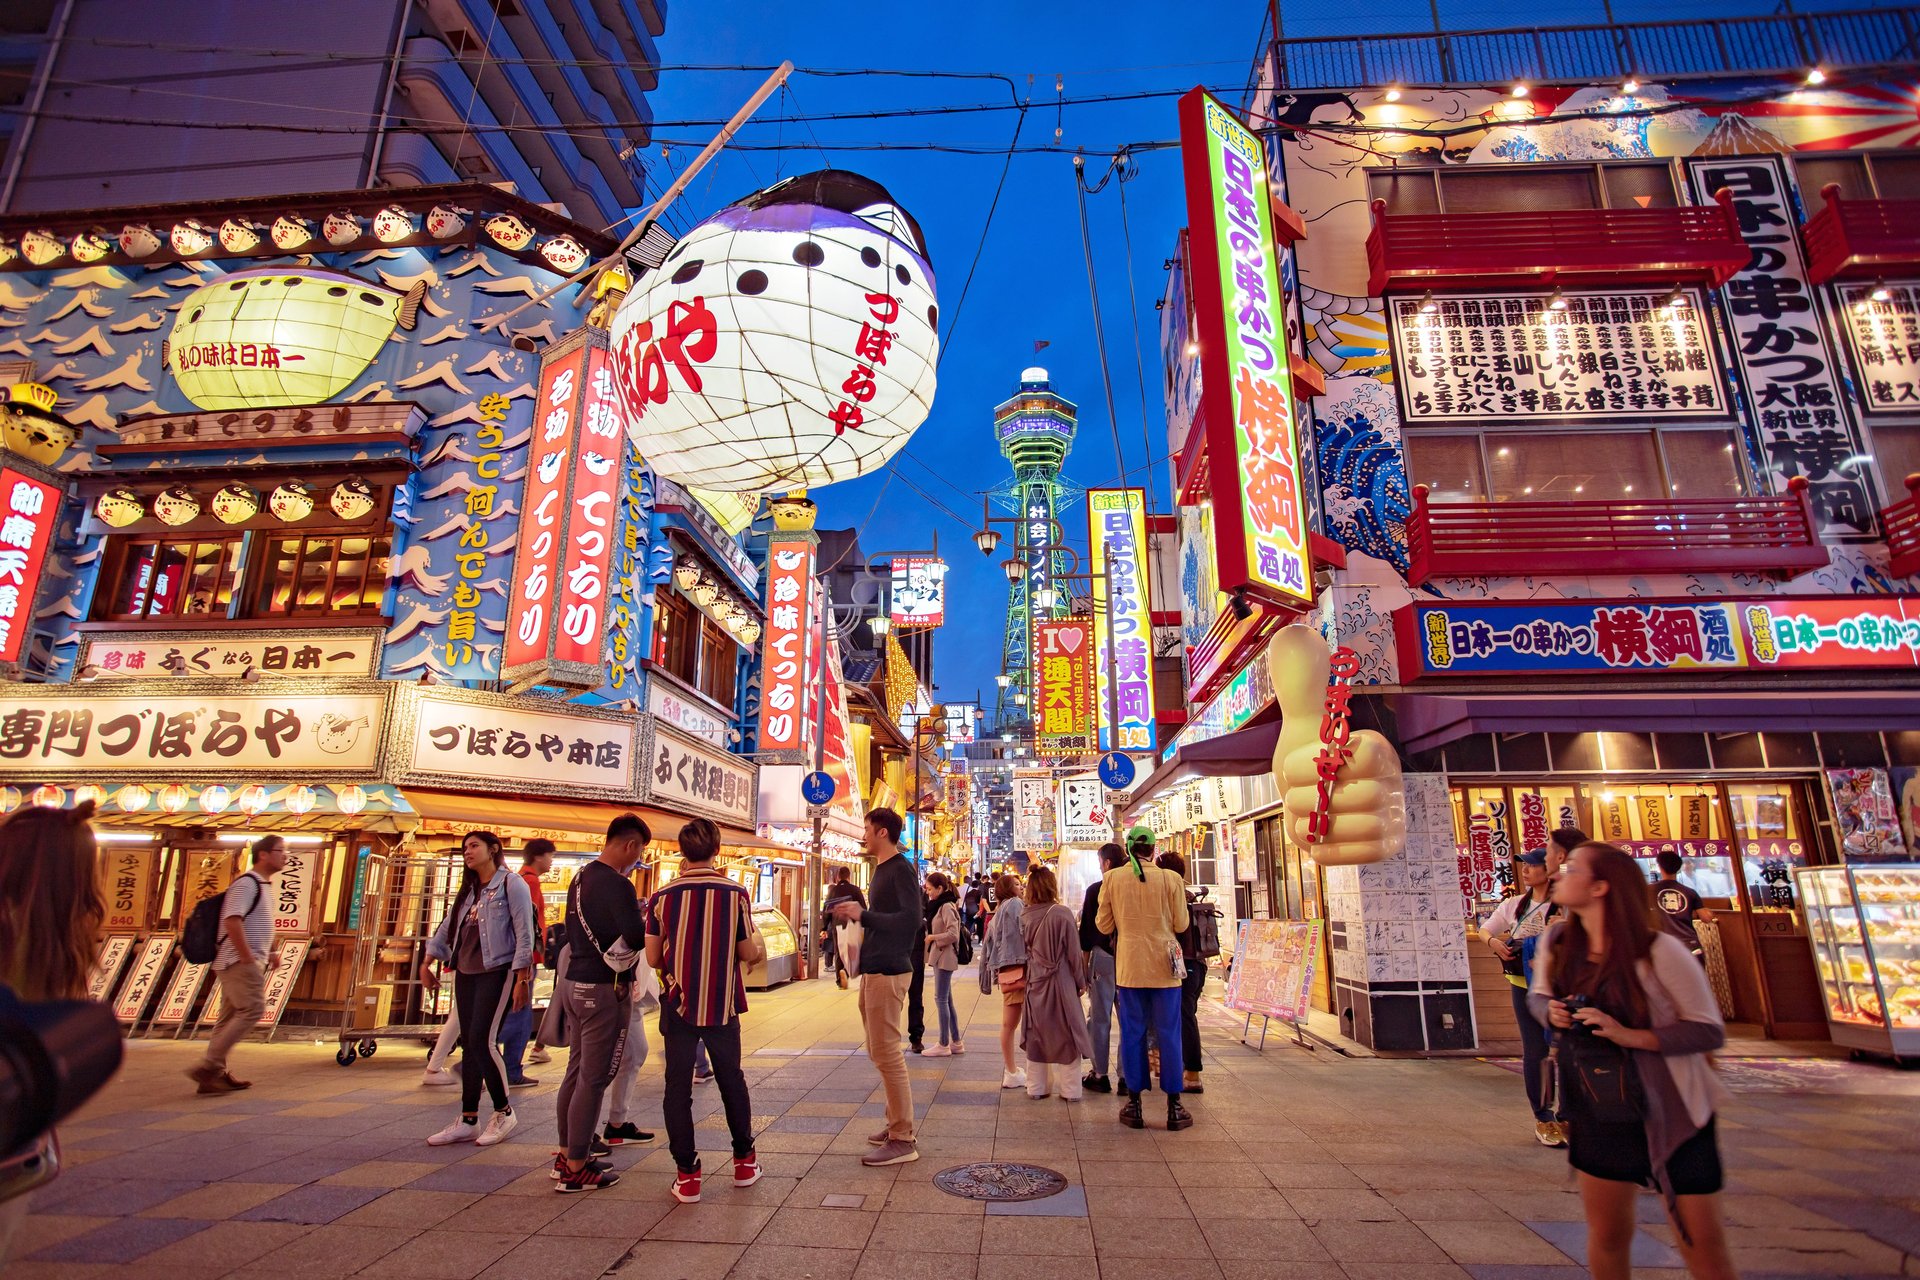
(1560, 847)
(917, 981)
(240, 966)
(1005, 957)
(1512, 933)
(841, 890)
(892, 923)
(644, 1000)
(1638, 1020)
(974, 907)
(517, 1028)
(605, 939)
(1054, 1034)
(1097, 947)
(1144, 907)
(1682, 905)
(700, 936)
(1194, 983)
(943, 957)
(51, 913)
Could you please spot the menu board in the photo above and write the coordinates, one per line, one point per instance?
(1273, 968)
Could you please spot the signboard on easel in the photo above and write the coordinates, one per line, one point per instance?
(1274, 964)
(114, 950)
(182, 987)
(139, 987)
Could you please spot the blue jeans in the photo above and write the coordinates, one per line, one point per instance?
(1100, 1008)
(1535, 1040)
(1158, 1007)
(515, 1030)
(943, 1005)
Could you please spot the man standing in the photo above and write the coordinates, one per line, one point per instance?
(1145, 908)
(1681, 903)
(605, 933)
(246, 929)
(973, 907)
(700, 936)
(1098, 948)
(517, 1027)
(892, 923)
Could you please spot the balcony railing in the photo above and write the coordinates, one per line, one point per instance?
(1855, 239)
(1698, 244)
(1902, 523)
(1678, 535)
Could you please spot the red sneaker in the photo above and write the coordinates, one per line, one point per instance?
(746, 1169)
(686, 1186)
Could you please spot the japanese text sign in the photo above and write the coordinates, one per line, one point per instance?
(320, 653)
(1246, 380)
(462, 737)
(1063, 706)
(470, 560)
(917, 591)
(1032, 810)
(685, 775)
(28, 509)
(1085, 817)
(1122, 626)
(126, 882)
(785, 644)
(1779, 336)
(1884, 339)
(292, 891)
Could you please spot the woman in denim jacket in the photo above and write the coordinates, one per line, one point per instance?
(488, 939)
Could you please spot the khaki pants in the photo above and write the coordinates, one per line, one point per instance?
(243, 998)
(883, 998)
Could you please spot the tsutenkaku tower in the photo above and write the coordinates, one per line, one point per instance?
(1035, 430)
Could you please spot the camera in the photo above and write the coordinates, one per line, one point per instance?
(54, 1055)
(1575, 1003)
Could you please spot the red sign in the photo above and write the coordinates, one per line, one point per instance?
(1063, 665)
(28, 509)
(1533, 820)
(784, 657)
(1336, 731)
(1832, 631)
(543, 512)
(592, 514)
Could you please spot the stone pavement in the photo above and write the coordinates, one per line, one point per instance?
(1301, 1165)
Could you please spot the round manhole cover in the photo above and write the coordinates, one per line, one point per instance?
(1000, 1180)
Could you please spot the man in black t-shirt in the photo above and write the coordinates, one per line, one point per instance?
(1682, 905)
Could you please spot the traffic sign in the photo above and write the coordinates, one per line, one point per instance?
(816, 788)
(816, 811)
(1116, 770)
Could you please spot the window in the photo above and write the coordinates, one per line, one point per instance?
(183, 579)
(1897, 450)
(1860, 176)
(1448, 465)
(719, 657)
(1584, 466)
(1702, 464)
(322, 575)
(676, 644)
(1520, 188)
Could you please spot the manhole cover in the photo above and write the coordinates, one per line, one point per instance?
(1000, 1180)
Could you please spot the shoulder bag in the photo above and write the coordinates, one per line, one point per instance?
(622, 957)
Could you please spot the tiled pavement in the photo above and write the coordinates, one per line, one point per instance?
(1307, 1166)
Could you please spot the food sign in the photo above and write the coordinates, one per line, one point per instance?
(1336, 732)
(28, 509)
(917, 591)
(784, 647)
(1884, 335)
(1063, 684)
(1122, 626)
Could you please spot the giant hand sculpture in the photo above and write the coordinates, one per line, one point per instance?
(1365, 808)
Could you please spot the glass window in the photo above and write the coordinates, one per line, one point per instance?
(175, 579)
(1896, 177)
(1639, 186)
(719, 657)
(1772, 835)
(1404, 190)
(1815, 172)
(1702, 464)
(320, 575)
(677, 643)
(1579, 466)
(1897, 451)
(1448, 465)
(1517, 189)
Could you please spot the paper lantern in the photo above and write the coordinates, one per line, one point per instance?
(119, 507)
(706, 592)
(9, 799)
(190, 237)
(174, 797)
(237, 235)
(8, 252)
(301, 800)
(446, 220)
(86, 792)
(290, 233)
(92, 246)
(215, 799)
(787, 341)
(48, 796)
(176, 506)
(350, 798)
(138, 240)
(235, 504)
(392, 225)
(352, 498)
(42, 247)
(252, 799)
(291, 502)
(509, 232)
(563, 253)
(279, 335)
(340, 228)
(686, 575)
(132, 798)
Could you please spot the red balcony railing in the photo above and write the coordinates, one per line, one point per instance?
(1678, 535)
(1698, 244)
(1902, 523)
(1856, 239)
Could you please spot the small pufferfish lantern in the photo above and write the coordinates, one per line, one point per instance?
(787, 341)
(30, 427)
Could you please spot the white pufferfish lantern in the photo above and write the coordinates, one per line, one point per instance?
(788, 341)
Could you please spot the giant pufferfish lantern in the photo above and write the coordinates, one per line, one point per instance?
(787, 341)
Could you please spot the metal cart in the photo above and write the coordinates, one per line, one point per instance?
(401, 900)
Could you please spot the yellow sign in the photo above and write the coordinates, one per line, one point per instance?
(127, 882)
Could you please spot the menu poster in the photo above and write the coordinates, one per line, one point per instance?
(182, 987)
(145, 976)
(1863, 807)
(1696, 817)
(114, 950)
(1906, 791)
(287, 959)
(1653, 817)
(1273, 968)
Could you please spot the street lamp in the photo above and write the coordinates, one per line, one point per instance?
(1013, 569)
(879, 625)
(987, 540)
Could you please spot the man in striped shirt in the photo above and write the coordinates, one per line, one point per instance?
(699, 935)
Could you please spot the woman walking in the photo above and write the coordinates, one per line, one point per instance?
(1638, 1021)
(1056, 1036)
(944, 924)
(1006, 959)
(488, 939)
(1511, 933)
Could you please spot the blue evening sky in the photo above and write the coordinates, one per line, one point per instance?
(1031, 282)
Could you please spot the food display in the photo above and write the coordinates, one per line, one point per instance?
(1864, 927)
(783, 946)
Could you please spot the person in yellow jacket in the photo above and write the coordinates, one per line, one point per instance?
(1145, 908)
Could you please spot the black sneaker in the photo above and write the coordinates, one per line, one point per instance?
(560, 1166)
(1177, 1116)
(703, 1077)
(1096, 1084)
(590, 1178)
(627, 1132)
(1130, 1114)
(598, 1148)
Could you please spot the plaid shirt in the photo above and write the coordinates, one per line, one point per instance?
(699, 918)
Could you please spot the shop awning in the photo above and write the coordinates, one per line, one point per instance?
(1244, 753)
(1431, 720)
(584, 823)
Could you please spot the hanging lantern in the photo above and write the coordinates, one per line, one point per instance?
(563, 253)
(41, 247)
(138, 240)
(235, 504)
(8, 252)
(686, 575)
(252, 800)
(49, 796)
(92, 246)
(176, 506)
(174, 797)
(446, 220)
(340, 228)
(301, 800)
(352, 498)
(119, 507)
(706, 592)
(351, 798)
(291, 502)
(392, 225)
(750, 632)
(86, 792)
(290, 233)
(190, 238)
(9, 799)
(237, 235)
(132, 798)
(509, 232)
(215, 799)
(793, 513)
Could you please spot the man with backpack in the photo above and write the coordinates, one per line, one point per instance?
(240, 962)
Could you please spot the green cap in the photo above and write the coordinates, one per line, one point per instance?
(1140, 835)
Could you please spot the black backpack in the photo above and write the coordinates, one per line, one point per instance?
(1204, 921)
(963, 946)
(200, 940)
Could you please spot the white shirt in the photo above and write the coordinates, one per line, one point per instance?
(256, 920)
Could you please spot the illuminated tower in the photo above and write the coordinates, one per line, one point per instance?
(1035, 429)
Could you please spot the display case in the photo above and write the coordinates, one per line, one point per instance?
(1864, 926)
(783, 950)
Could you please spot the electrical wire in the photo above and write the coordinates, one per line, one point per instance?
(1127, 174)
(953, 318)
(1099, 329)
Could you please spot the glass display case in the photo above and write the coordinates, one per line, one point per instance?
(1864, 926)
(783, 948)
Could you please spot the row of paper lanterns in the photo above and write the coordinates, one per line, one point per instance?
(191, 238)
(292, 502)
(175, 797)
(723, 605)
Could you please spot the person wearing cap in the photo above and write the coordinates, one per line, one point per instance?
(1511, 933)
(1144, 907)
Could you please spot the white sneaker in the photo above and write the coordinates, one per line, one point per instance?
(440, 1076)
(539, 1055)
(958, 1048)
(937, 1051)
(499, 1125)
(458, 1131)
(1014, 1080)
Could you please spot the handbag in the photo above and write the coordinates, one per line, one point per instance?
(1600, 1075)
(1017, 982)
(622, 957)
(847, 940)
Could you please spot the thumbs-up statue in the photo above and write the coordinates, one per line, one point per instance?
(1365, 807)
